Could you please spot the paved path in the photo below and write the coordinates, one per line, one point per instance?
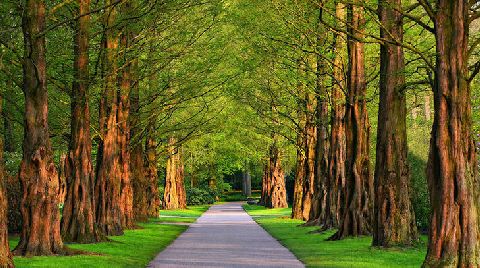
(225, 236)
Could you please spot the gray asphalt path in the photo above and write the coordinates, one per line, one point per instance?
(225, 236)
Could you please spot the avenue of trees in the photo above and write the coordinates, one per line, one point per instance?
(114, 109)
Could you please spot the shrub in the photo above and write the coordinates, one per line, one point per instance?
(200, 196)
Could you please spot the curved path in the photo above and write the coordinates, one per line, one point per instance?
(225, 236)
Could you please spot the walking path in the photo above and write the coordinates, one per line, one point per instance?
(225, 236)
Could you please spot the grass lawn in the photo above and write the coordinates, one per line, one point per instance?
(136, 248)
(314, 251)
(233, 196)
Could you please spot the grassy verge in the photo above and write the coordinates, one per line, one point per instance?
(233, 196)
(136, 248)
(314, 251)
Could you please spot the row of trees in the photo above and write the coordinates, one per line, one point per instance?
(139, 93)
(334, 184)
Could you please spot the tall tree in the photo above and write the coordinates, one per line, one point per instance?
(394, 220)
(451, 169)
(78, 220)
(38, 175)
(5, 254)
(336, 179)
(309, 181)
(123, 121)
(174, 195)
(358, 202)
(108, 175)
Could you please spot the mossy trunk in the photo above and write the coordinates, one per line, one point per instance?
(38, 175)
(394, 220)
(452, 168)
(151, 174)
(309, 182)
(356, 219)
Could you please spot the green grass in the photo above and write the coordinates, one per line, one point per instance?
(238, 196)
(136, 248)
(315, 251)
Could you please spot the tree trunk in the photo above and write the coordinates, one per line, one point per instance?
(335, 180)
(123, 139)
(310, 153)
(78, 220)
(247, 182)
(299, 178)
(300, 170)
(151, 177)
(277, 193)
(452, 170)
(41, 216)
(5, 254)
(266, 185)
(174, 195)
(394, 220)
(357, 216)
(108, 183)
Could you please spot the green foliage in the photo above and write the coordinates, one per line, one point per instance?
(200, 196)
(313, 249)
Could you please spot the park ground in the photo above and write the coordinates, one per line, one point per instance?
(138, 247)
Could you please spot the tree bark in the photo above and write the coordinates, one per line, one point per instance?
(309, 186)
(5, 254)
(277, 193)
(151, 174)
(38, 175)
(108, 182)
(451, 169)
(78, 220)
(174, 195)
(123, 138)
(336, 179)
(357, 217)
(394, 220)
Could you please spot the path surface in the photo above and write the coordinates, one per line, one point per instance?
(225, 236)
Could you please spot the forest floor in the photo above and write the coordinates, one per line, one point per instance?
(313, 249)
(136, 248)
(226, 236)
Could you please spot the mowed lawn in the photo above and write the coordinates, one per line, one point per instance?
(136, 248)
(313, 249)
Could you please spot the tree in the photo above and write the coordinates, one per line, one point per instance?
(38, 175)
(394, 220)
(108, 175)
(274, 194)
(78, 219)
(358, 202)
(152, 195)
(5, 254)
(336, 179)
(174, 195)
(452, 170)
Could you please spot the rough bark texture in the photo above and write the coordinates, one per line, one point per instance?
(394, 220)
(140, 178)
(300, 170)
(451, 170)
(174, 195)
(151, 174)
(357, 217)
(275, 186)
(78, 220)
(5, 254)
(123, 133)
(38, 175)
(309, 181)
(337, 151)
(108, 181)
